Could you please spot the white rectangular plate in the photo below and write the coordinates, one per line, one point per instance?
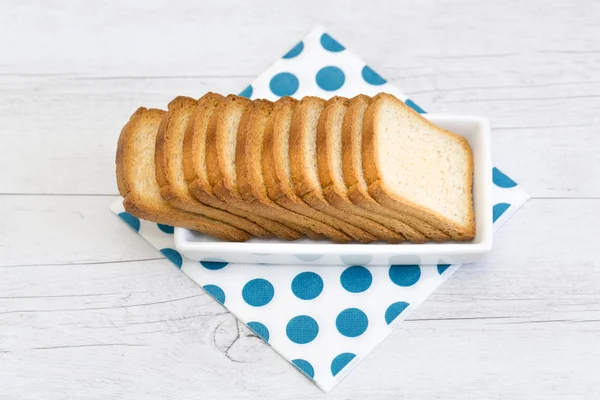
(476, 130)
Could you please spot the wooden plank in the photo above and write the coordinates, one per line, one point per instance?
(541, 261)
(144, 325)
(61, 134)
(80, 317)
(79, 229)
(66, 230)
(226, 38)
(478, 359)
(65, 96)
(68, 128)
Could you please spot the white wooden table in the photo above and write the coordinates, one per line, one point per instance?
(89, 310)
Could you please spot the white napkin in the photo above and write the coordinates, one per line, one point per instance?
(324, 320)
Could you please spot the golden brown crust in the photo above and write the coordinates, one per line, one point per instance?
(324, 151)
(470, 234)
(213, 173)
(143, 126)
(360, 196)
(370, 223)
(168, 146)
(277, 180)
(311, 193)
(278, 184)
(230, 191)
(217, 142)
(178, 108)
(299, 145)
(198, 131)
(198, 184)
(119, 157)
(350, 157)
(382, 194)
(249, 169)
(124, 147)
(335, 192)
(223, 184)
(194, 146)
(249, 147)
(370, 166)
(358, 193)
(265, 198)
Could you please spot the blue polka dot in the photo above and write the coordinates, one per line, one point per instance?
(258, 292)
(340, 361)
(214, 265)
(173, 256)
(499, 210)
(371, 76)
(394, 310)
(442, 267)
(215, 292)
(352, 322)
(284, 84)
(415, 107)
(305, 367)
(260, 330)
(297, 49)
(247, 92)
(330, 44)
(405, 275)
(330, 78)
(356, 279)
(131, 220)
(166, 228)
(307, 285)
(502, 180)
(302, 329)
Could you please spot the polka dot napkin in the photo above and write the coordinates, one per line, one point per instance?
(324, 320)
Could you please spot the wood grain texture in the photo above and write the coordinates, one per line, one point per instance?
(89, 309)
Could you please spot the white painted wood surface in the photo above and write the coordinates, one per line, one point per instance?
(89, 310)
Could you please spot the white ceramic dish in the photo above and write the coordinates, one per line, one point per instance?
(476, 130)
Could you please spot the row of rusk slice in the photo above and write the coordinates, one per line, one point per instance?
(234, 169)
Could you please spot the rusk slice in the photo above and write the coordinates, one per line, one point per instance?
(136, 180)
(248, 163)
(221, 143)
(331, 176)
(304, 169)
(277, 174)
(194, 165)
(355, 181)
(169, 163)
(417, 168)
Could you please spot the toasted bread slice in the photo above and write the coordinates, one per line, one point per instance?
(248, 164)
(304, 169)
(331, 176)
(136, 180)
(194, 165)
(277, 174)
(355, 181)
(221, 143)
(169, 163)
(417, 168)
